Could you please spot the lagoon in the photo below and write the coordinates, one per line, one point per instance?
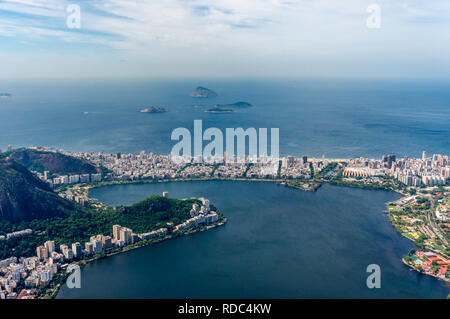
(279, 242)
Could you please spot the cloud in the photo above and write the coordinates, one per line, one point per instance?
(200, 21)
(137, 21)
(282, 35)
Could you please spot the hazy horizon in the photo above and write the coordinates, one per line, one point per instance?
(224, 38)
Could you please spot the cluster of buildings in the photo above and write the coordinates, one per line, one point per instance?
(162, 232)
(54, 181)
(123, 236)
(26, 274)
(426, 171)
(432, 264)
(199, 216)
(39, 270)
(292, 167)
(196, 171)
(69, 196)
(443, 211)
(124, 167)
(16, 234)
(230, 170)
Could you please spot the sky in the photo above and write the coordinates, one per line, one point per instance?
(224, 38)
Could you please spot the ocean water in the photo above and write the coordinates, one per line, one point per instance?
(335, 117)
(278, 243)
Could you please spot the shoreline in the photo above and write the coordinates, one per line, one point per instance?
(285, 183)
(312, 185)
(147, 243)
(279, 181)
(412, 268)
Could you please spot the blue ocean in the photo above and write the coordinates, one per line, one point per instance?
(333, 117)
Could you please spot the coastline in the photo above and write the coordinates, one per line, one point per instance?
(403, 194)
(222, 221)
(410, 264)
(279, 181)
(412, 268)
(313, 186)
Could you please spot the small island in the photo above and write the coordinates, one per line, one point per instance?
(202, 92)
(224, 108)
(231, 105)
(220, 111)
(237, 104)
(5, 95)
(154, 109)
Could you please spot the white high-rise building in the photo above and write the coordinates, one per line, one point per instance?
(45, 276)
(77, 250)
(89, 247)
(50, 245)
(116, 231)
(97, 243)
(125, 235)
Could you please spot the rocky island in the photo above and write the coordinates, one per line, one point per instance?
(154, 109)
(220, 110)
(203, 92)
(224, 108)
(237, 104)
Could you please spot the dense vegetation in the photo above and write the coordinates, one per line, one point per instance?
(329, 168)
(387, 184)
(150, 214)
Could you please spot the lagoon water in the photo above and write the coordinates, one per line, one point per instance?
(279, 242)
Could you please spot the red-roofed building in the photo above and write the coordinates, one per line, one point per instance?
(419, 253)
(25, 294)
(442, 271)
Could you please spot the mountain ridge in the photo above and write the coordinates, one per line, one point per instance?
(24, 197)
(56, 163)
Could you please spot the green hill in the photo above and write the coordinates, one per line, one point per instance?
(81, 223)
